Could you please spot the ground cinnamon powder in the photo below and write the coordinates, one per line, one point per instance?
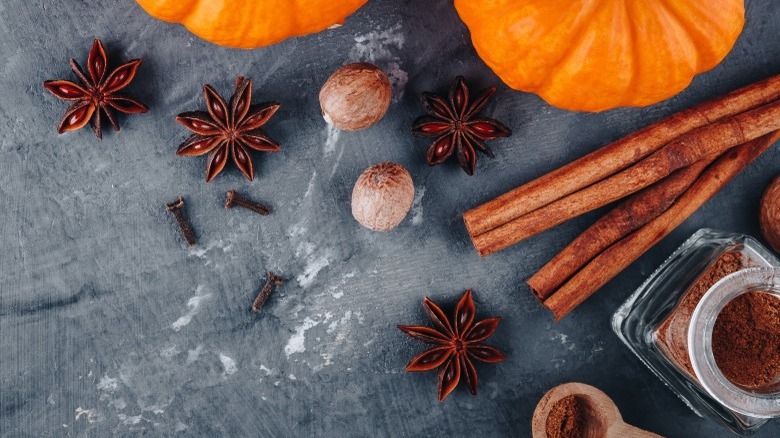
(746, 340)
(568, 418)
(746, 336)
(672, 334)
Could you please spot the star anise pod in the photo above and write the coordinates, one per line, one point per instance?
(457, 128)
(98, 93)
(456, 344)
(228, 129)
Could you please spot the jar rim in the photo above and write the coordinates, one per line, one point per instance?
(700, 342)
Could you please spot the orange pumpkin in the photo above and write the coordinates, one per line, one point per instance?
(251, 23)
(593, 55)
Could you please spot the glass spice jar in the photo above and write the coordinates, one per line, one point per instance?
(669, 323)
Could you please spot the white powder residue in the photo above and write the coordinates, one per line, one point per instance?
(228, 364)
(339, 329)
(90, 414)
(333, 325)
(332, 137)
(118, 404)
(305, 249)
(310, 187)
(193, 355)
(156, 408)
(336, 291)
(314, 259)
(337, 162)
(128, 420)
(200, 252)
(297, 230)
(292, 377)
(313, 267)
(563, 339)
(267, 371)
(398, 78)
(107, 384)
(297, 342)
(382, 48)
(194, 304)
(417, 209)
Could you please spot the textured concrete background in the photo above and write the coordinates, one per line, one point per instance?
(109, 325)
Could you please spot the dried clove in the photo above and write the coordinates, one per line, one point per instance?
(233, 199)
(176, 209)
(271, 283)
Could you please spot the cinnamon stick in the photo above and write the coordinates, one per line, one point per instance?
(615, 157)
(626, 218)
(712, 139)
(616, 258)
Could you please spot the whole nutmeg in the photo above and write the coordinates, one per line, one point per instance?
(769, 218)
(355, 96)
(382, 196)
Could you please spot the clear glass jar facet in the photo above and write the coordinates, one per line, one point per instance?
(638, 321)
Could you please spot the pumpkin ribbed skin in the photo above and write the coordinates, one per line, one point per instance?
(593, 55)
(251, 23)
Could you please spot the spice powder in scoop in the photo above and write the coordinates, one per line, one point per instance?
(568, 418)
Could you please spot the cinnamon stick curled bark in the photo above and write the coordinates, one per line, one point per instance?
(615, 157)
(626, 218)
(708, 140)
(617, 257)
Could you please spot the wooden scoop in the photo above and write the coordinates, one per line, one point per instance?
(604, 419)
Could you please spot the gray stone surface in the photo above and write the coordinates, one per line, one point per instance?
(109, 325)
